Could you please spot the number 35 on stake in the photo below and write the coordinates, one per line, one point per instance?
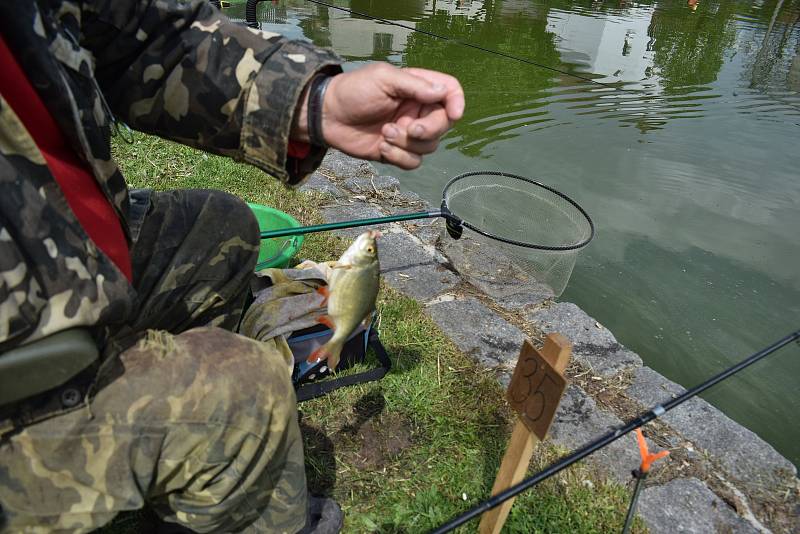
(535, 391)
(537, 384)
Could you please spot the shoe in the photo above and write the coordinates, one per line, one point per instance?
(324, 516)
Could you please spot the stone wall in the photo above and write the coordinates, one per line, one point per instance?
(719, 477)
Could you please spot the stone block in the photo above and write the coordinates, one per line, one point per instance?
(577, 325)
(478, 331)
(409, 268)
(410, 196)
(344, 166)
(359, 184)
(318, 182)
(386, 182)
(593, 345)
(687, 505)
(486, 267)
(579, 421)
(738, 451)
(349, 211)
(426, 230)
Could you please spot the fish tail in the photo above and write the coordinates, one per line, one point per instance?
(330, 351)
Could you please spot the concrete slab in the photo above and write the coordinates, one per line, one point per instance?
(579, 421)
(478, 332)
(576, 324)
(409, 268)
(318, 182)
(687, 505)
(427, 230)
(344, 166)
(487, 267)
(411, 196)
(360, 184)
(593, 344)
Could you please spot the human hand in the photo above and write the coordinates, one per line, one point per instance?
(380, 112)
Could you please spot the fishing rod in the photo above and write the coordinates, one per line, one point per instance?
(474, 46)
(654, 413)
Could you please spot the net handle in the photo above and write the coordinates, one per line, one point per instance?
(490, 235)
(302, 230)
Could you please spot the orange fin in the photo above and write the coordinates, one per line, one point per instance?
(323, 290)
(327, 321)
(325, 353)
(318, 355)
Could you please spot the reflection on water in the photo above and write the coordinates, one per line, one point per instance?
(689, 167)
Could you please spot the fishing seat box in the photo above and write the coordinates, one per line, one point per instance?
(307, 378)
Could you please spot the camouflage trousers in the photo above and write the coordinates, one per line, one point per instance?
(184, 415)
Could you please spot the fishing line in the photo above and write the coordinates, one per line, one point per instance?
(477, 47)
(654, 413)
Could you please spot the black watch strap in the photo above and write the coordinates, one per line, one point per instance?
(316, 96)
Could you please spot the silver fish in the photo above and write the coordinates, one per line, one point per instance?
(351, 293)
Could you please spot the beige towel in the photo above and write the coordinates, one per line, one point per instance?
(286, 300)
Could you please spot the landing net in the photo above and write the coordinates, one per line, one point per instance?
(539, 229)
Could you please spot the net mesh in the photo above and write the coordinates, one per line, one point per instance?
(527, 224)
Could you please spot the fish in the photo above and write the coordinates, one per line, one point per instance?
(350, 295)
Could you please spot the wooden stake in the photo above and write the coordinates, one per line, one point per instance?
(512, 470)
(536, 407)
(557, 350)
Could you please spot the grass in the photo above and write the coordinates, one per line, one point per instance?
(422, 445)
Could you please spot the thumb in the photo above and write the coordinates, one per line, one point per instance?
(402, 84)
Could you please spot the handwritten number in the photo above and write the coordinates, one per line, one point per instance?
(530, 362)
(521, 394)
(535, 390)
(535, 406)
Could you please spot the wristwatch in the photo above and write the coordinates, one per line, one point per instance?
(316, 96)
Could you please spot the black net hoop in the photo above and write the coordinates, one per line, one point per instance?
(516, 210)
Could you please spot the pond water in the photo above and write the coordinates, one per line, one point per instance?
(692, 176)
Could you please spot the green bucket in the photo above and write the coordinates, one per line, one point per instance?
(278, 251)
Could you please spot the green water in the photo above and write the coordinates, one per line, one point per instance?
(693, 179)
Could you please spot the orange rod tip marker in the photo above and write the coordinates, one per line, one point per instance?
(647, 457)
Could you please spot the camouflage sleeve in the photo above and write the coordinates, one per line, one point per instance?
(183, 71)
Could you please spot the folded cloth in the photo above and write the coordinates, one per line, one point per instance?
(286, 300)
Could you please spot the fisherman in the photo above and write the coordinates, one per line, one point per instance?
(179, 412)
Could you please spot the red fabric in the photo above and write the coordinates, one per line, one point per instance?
(83, 193)
(298, 149)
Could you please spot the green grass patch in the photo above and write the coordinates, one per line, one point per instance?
(422, 445)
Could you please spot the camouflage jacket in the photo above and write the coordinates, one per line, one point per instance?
(174, 68)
